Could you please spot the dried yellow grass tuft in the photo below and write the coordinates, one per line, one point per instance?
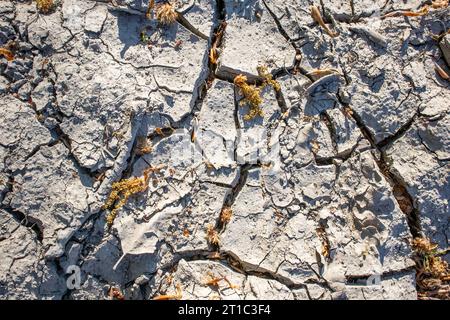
(225, 215)
(433, 274)
(165, 13)
(212, 236)
(45, 6)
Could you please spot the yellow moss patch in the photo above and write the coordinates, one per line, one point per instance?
(252, 96)
(123, 190)
(268, 78)
(252, 93)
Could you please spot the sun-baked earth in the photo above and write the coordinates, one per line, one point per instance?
(307, 181)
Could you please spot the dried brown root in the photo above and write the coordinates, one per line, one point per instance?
(45, 6)
(165, 13)
(422, 12)
(348, 112)
(215, 255)
(444, 75)
(437, 4)
(315, 14)
(7, 54)
(177, 296)
(215, 281)
(160, 131)
(438, 37)
(214, 52)
(319, 73)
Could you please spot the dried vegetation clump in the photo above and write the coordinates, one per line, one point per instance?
(252, 93)
(433, 274)
(212, 236)
(45, 6)
(8, 50)
(325, 242)
(213, 56)
(252, 96)
(225, 215)
(151, 5)
(268, 78)
(123, 190)
(165, 13)
(214, 51)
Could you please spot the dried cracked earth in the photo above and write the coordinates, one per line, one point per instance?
(313, 199)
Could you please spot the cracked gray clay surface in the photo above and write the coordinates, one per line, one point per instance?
(311, 184)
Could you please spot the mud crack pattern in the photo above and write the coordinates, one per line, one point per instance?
(316, 197)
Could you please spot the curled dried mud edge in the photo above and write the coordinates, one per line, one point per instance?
(429, 284)
(399, 187)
